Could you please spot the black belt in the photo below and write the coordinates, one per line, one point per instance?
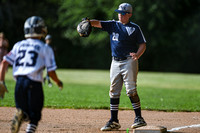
(120, 58)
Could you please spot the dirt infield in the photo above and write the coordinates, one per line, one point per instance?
(90, 121)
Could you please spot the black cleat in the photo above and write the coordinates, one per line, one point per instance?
(17, 121)
(111, 125)
(139, 122)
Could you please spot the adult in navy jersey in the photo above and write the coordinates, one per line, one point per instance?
(29, 57)
(127, 45)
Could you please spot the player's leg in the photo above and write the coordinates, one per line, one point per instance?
(139, 121)
(35, 102)
(17, 121)
(130, 71)
(130, 81)
(115, 91)
(49, 81)
(21, 105)
(44, 79)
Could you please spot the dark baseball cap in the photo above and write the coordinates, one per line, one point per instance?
(124, 8)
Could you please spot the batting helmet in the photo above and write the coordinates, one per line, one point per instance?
(35, 27)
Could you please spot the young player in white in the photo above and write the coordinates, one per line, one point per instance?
(48, 40)
(29, 57)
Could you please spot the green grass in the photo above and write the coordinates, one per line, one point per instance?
(89, 89)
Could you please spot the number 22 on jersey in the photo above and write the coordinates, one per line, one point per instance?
(115, 36)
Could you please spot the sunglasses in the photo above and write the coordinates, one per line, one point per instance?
(124, 13)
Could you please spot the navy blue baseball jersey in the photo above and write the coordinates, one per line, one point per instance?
(124, 39)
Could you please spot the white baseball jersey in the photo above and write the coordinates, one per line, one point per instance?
(29, 57)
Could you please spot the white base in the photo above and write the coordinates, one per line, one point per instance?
(150, 129)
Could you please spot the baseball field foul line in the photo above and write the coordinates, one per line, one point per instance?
(178, 128)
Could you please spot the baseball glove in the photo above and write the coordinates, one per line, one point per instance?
(3, 89)
(84, 28)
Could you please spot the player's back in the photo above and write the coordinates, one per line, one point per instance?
(29, 58)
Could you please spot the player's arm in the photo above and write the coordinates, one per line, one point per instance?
(3, 88)
(141, 49)
(54, 76)
(95, 23)
(3, 68)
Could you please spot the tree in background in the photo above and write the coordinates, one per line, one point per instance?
(171, 29)
(72, 11)
(173, 34)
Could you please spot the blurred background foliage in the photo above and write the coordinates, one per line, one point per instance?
(171, 28)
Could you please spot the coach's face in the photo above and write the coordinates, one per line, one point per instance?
(124, 19)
